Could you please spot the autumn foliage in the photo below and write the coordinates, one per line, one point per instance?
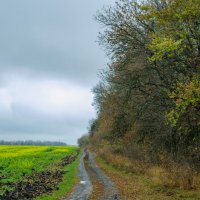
(148, 99)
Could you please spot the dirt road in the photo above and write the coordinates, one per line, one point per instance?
(91, 175)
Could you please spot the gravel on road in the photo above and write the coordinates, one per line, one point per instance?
(90, 174)
(84, 189)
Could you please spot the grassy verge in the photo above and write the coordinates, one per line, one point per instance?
(69, 180)
(138, 187)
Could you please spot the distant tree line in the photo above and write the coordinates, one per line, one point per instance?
(32, 143)
(149, 97)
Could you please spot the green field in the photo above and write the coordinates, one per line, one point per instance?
(23, 166)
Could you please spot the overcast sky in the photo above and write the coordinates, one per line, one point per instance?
(49, 60)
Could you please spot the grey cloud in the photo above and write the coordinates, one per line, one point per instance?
(51, 37)
(35, 126)
(48, 39)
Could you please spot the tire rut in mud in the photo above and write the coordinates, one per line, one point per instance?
(105, 188)
(83, 190)
(94, 184)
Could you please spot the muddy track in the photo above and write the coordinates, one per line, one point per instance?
(84, 189)
(94, 183)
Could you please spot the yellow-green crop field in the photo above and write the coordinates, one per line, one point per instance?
(23, 166)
